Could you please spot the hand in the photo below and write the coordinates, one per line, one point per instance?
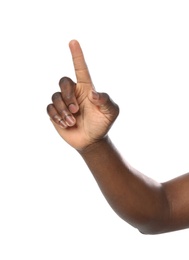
(81, 115)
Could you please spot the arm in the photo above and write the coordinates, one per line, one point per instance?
(83, 118)
(147, 205)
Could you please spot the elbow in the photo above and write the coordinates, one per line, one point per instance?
(154, 228)
(150, 231)
(151, 226)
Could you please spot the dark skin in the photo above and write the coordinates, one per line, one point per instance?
(83, 117)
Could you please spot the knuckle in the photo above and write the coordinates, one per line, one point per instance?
(105, 97)
(63, 113)
(68, 97)
(111, 105)
(65, 81)
(49, 108)
(68, 93)
(117, 109)
(56, 96)
(55, 118)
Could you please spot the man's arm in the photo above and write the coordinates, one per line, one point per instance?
(83, 118)
(147, 205)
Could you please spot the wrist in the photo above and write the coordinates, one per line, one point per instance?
(94, 147)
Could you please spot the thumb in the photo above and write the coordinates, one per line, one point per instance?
(105, 104)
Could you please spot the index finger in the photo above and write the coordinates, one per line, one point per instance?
(80, 66)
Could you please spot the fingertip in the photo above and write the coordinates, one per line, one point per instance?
(73, 43)
(75, 49)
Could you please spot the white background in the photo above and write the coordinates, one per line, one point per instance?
(137, 51)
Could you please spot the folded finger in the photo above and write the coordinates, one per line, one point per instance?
(62, 109)
(67, 87)
(55, 117)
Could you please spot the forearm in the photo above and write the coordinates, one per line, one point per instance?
(136, 198)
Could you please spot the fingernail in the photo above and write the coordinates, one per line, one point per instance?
(95, 94)
(62, 124)
(70, 120)
(73, 108)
